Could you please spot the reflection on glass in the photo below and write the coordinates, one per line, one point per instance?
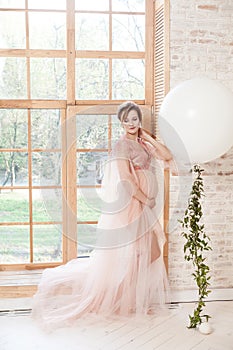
(47, 243)
(13, 78)
(46, 168)
(14, 244)
(90, 167)
(92, 79)
(86, 238)
(13, 169)
(52, 34)
(128, 79)
(92, 131)
(14, 205)
(92, 5)
(47, 204)
(13, 128)
(12, 36)
(128, 33)
(129, 5)
(45, 130)
(91, 31)
(48, 78)
(47, 4)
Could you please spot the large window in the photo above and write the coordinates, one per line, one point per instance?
(30, 186)
(110, 44)
(96, 46)
(58, 61)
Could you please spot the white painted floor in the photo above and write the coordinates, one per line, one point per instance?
(165, 332)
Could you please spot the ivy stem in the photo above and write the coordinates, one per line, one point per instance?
(197, 242)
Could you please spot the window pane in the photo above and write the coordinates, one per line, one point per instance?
(47, 4)
(128, 33)
(91, 31)
(14, 244)
(48, 78)
(14, 206)
(92, 5)
(92, 79)
(12, 3)
(13, 169)
(128, 79)
(46, 168)
(47, 243)
(45, 128)
(12, 36)
(92, 131)
(52, 34)
(90, 167)
(117, 130)
(13, 128)
(129, 5)
(13, 78)
(47, 205)
(86, 238)
(89, 204)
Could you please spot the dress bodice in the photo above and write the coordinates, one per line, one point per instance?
(135, 151)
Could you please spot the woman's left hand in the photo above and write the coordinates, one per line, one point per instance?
(151, 203)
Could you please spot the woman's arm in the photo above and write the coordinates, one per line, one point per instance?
(159, 150)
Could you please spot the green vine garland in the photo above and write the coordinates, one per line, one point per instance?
(196, 243)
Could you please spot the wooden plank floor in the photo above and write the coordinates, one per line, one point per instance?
(163, 332)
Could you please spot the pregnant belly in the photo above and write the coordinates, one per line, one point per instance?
(147, 182)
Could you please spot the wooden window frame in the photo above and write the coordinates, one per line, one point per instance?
(153, 96)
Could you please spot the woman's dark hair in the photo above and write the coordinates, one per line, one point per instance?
(125, 108)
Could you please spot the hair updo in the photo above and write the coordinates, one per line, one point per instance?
(125, 108)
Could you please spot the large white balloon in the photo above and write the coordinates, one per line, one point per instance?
(198, 114)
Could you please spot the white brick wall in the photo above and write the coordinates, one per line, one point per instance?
(201, 44)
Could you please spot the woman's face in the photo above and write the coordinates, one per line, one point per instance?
(131, 123)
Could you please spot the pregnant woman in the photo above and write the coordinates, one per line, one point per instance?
(125, 274)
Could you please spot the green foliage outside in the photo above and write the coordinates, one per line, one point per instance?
(14, 240)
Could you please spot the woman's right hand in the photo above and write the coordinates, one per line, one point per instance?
(146, 135)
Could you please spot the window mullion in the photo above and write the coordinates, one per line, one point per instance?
(70, 27)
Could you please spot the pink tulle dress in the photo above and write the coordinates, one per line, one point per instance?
(125, 274)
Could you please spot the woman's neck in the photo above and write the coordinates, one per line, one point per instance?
(133, 137)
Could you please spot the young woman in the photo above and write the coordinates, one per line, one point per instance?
(125, 274)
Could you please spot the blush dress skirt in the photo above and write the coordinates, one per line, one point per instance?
(125, 274)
